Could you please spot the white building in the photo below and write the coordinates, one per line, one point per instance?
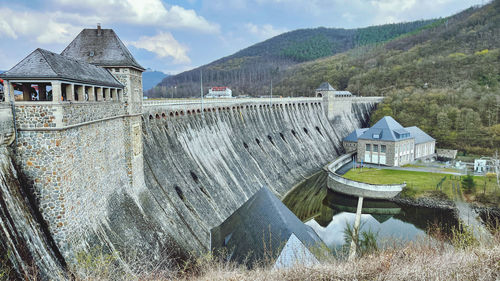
(219, 92)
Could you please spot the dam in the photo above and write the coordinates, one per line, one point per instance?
(93, 167)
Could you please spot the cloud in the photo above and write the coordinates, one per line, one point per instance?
(264, 31)
(144, 12)
(14, 24)
(163, 45)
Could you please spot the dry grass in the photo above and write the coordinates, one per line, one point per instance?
(412, 262)
(428, 259)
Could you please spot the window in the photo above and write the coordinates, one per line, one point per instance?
(367, 147)
(375, 148)
(382, 148)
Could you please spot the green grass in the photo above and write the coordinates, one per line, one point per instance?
(424, 183)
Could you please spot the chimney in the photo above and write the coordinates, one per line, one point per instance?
(99, 31)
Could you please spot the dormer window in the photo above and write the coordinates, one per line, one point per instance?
(376, 136)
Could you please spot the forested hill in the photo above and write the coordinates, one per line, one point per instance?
(444, 79)
(248, 71)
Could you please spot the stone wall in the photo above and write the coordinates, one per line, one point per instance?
(74, 170)
(132, 93)
(31, 115)
(393, 150)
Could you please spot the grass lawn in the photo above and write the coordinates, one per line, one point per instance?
(424, 182)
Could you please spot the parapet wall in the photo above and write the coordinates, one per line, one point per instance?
(355, 188)
(57, 115)
(336, 108)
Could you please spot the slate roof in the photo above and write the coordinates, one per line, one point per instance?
(262, 225)
(105, 49)
(43, 64)
(353, 137)
(419, 135)
(325, 86)
(386, 129)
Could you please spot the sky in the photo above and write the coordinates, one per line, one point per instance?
(173, 36)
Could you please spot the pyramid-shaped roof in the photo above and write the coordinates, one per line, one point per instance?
(325, 86)
(419, 135)
(353, 137)
(100, 47)
(43, 64)
(386, 129)
(261, 226)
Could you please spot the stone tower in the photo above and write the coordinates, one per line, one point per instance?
(102, 47)
(77, 119)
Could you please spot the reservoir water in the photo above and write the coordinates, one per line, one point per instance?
(328, 213)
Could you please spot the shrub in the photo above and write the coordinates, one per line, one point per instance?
(366, 241)
(468, 184)
(463, 237)
(408, 192)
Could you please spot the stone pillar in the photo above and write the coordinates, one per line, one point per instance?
(106, 94)
(70, 92)
(113, 94)
(99, 93)
(56, 92)
(120, 94)
(8, 91)
(42, 91)
(80, 93)
(355, 230)
(26, 92)
(91, 93)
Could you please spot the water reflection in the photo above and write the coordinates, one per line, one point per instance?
(328, 212)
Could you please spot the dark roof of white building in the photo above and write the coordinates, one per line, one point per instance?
(353, 137)
(386, 129)
(390, 130)
(343, 93)
(419, 135)
(262, 225)
(325, 86)
(43, 64)
(101, 47)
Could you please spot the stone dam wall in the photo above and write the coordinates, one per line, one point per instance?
(201, 167)
(198, 168)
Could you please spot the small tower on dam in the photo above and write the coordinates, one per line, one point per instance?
(77, 120)
(103, 48)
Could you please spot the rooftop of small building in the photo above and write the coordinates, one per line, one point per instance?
(42, 64)
(101, 47)
(353, 137)
(262, 215)
(325, 86)
(388, 129)
(419, 135)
